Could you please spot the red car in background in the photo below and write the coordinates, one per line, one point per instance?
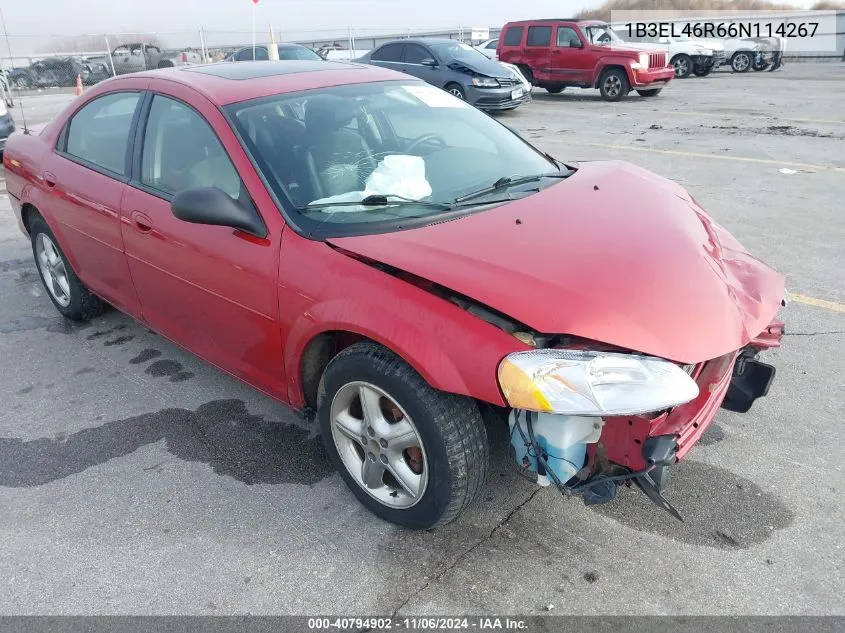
(356, 242)
(554, 54)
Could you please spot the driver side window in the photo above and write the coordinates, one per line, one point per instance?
(567, 38)
(182, 152)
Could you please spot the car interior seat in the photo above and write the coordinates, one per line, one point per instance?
(337, 156)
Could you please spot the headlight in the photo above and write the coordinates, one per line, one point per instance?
(484, 82)
(574, 382)
(644, 60)
(3, 109)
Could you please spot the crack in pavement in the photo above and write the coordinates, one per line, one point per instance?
(813, 333)
(449, 567)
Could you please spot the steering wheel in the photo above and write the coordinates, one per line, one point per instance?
(430, 136)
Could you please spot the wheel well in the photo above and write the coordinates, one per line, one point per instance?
(316, 357)
(607, 69)
(28, 214)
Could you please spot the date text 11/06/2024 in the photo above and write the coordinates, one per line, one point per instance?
(721, 30)
(417, 623)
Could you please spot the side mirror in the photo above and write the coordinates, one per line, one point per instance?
(210, 205)
(428, 61)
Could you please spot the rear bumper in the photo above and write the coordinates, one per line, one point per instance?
(652, 78)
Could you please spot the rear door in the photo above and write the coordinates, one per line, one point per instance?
(388, 56)
(538, 51)
(212, 289)
(85, 179)
(509, 47)
(569, 61)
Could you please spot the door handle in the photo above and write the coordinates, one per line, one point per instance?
(142, 223)
(49, 179)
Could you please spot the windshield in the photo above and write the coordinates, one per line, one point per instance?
(456, 50)
(602, 35)
(297, 52)
(409, 144)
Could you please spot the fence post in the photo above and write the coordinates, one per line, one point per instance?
(111, 61)
(203, 50)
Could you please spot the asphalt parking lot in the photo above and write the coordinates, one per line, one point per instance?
(134, 478)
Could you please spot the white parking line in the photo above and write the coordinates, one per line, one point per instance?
(744, 159)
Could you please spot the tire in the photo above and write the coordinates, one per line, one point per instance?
(165, 64)
(456, 90)
(760, 66)
(702, 72)
(613, 85)
(70, 296)
(653, 92)
(526, 72)
(449, 431)
(741, 62)
(683, 65)
(21, 83)
(553, 90)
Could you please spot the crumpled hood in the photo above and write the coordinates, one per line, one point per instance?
(482, 66)
(614, 254)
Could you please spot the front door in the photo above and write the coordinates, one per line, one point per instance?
(412, 63)
(569, 59)
(212, 289)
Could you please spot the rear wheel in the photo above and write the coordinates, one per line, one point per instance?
(741, 62)
(412, 455)
(653, 92)
(70, 296)
(526, 72)
(554, 89)
(613, 85)
(683, 66)
(456, 90)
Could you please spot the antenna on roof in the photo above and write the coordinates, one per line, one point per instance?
(5, 76)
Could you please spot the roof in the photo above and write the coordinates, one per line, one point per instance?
(228, 82)
(544, 20)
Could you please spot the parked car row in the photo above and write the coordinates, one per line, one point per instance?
(691, 56)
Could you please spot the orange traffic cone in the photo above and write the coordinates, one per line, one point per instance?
(78, 85)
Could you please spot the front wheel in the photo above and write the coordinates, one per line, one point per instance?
(613, 85)
(683, 66)
(703, 72)
(456, 90)
(412, 455)
(70, 296)
(653, 92)
(741, 62)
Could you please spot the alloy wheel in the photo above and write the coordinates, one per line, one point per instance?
(681, 67)
(741, 62)
(612, 86)
(456, 92)
(379, 445)
(53, 270)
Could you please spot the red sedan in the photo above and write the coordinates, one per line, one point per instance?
(358, 243)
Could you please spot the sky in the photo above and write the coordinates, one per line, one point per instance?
(68, 16)
(30, 22)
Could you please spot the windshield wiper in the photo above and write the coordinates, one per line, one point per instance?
(378, 200)
(509, 181)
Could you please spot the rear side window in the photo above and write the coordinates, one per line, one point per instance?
(99, 132)
(182, 152)
(388, 53)
(539, 36)
(513, 37)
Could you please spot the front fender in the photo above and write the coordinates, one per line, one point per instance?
(400, 335)
(623, 62)
(322, 289)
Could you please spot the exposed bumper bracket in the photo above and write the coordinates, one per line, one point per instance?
(751, 380)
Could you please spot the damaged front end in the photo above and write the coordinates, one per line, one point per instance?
(585, 445)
